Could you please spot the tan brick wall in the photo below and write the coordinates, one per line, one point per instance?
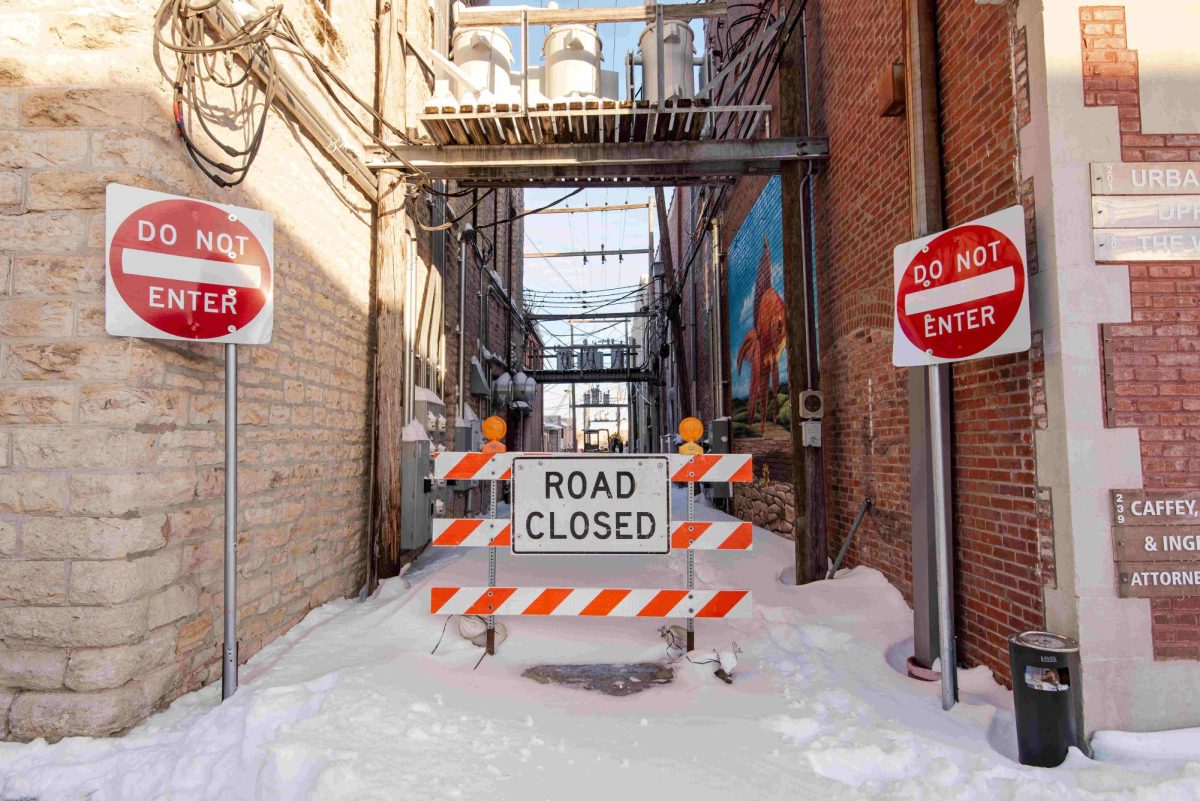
(111, 455)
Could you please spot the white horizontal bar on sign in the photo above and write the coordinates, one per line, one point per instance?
(472, 532)
(1145, 178)
(1146, 244)
(703, 535)
(1149, 211)
(472, 466)
(170, 267)
(589, 602)
(712, 467)
(967, 290)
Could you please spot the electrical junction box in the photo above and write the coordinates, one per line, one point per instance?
(720, 438)
(430, 413)
(468, 436)
(810, 433)
(812, 404)
(416, 495)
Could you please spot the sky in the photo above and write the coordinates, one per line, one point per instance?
(560, 232)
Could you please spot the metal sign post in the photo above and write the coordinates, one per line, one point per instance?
(691, 566)
(491, 619)
(691, 429)
(229, 667)
(941, 544)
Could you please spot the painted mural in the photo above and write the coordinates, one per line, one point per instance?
(758, 335)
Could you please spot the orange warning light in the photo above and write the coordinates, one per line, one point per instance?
(494, 428)
(493, 447)
(691, 429)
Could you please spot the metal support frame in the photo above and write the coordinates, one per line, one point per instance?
(594, 377)
(491, 619)
(487, 16)
(632, 163)
(690, 489)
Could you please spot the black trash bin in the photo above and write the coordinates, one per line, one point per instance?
(1046, 697)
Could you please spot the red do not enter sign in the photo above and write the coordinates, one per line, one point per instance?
(962, 294)
(180, 268)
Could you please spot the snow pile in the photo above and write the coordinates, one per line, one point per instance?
(351, 704)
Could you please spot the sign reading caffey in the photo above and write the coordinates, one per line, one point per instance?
(591, 504)
(1153, 527)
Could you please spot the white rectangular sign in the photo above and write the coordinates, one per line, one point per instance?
(1164, 211)
(962, 293)
(591, 505)
(1146, 178)
(180, 268)
(1146, 244)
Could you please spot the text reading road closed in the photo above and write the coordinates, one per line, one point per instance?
(590, 505)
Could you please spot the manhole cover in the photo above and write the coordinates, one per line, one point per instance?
(608, 679)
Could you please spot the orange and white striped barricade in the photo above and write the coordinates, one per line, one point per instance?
(699, 535)
(686, 535)
(587, 602)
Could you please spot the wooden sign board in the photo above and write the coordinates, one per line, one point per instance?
(1156, 580)
(1156, 543)
(1138, 507)
(1146, 244)
(1146, 178)
(1148, 211)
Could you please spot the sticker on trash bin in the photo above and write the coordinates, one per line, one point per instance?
(1046, 678)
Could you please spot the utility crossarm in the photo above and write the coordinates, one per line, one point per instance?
(596, 317)
(544, 377)
(637, 163)
(582, 209)
(601, 406)
(564, 254)
(492, 15)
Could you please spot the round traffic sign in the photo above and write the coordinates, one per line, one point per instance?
(494, 428)
(691, 429)
(961, 292)
(189, 269)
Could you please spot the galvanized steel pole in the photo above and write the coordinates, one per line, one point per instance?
(941, 541)
(229, 667)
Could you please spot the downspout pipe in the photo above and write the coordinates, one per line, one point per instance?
(466, 241)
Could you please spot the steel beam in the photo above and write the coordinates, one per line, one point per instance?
(492, 15)
(636, 162)
(593, 377)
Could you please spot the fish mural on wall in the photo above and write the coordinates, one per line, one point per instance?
(763, 345)
(760, 400)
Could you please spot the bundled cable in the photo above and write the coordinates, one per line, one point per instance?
(213, 52)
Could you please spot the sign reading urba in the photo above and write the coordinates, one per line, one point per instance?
(1153, 527)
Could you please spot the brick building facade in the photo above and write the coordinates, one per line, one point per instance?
(1038, 438)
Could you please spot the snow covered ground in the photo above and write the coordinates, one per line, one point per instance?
(351, 705)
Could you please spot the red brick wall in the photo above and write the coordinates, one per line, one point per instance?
(863, 212)
(1154, 360)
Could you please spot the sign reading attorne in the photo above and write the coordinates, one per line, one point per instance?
(1156, 542)
(591, 504)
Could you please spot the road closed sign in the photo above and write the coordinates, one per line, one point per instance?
(591, 504)
(179, 268)
(963, 293)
